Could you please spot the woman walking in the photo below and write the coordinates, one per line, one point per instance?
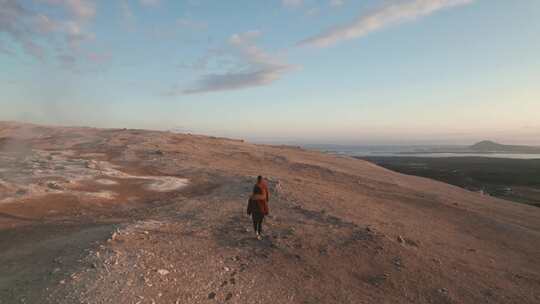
(258, 206)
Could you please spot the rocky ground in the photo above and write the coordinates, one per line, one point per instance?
(132, 216)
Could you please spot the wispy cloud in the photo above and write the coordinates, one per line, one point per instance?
(390, 14)
(254, 67)
(31, 30)
(128, 17)
(21, 25)
(149, 2)
(336, 3)
(292, 3)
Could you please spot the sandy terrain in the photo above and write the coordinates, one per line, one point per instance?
(132, 216)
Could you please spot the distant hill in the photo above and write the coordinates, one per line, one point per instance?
(490, 146)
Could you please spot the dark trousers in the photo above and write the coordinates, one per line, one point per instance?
(257, 221)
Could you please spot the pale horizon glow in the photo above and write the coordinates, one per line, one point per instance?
(310, 71)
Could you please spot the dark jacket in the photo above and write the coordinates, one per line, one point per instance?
(257, 206)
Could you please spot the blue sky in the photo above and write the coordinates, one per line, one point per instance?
(319, 71)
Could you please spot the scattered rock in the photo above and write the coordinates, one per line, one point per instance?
(229, 296)
(411, 242)
(211, 295)
(397, 262)
(443, 291)
(163, 272)
(376, 280)
(400, 239)
(54, 186)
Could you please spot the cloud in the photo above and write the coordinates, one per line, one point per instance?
(335, 3)
(22, 26)
(40, 35)
(149, 2)
(238, 80)
(81, 10)
(254, 67)
(128, 17)
(292, 3)
(390, 14)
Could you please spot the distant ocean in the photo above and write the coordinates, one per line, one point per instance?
(410, 151)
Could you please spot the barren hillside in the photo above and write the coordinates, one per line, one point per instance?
(132, 216)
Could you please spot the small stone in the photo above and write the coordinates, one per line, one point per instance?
(226, 268)
(443, 290)
(63, 282)
(54, 186)
(211, 295)
(163, 272)
(400, 239)
(228, 297)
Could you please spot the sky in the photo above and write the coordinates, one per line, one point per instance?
(291, 71)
